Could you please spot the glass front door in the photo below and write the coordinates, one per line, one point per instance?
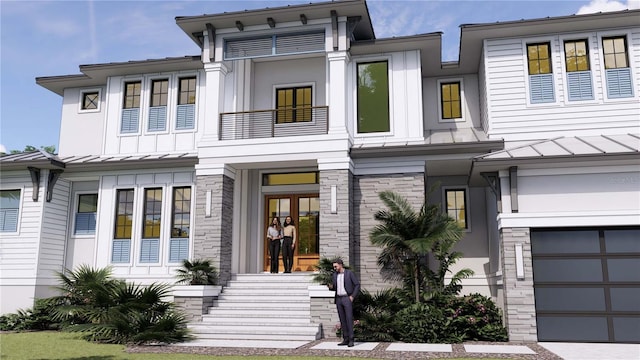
(304, 209)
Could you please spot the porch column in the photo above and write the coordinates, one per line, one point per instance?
(519, 300)
(336, 93)
(213, 227)
(215, 74)
(336, 209)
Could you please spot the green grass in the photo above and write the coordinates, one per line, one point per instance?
(49, 345)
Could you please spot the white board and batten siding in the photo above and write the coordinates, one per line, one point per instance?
(134, 270)
(81, 131)
(511, 115)
(144, 141)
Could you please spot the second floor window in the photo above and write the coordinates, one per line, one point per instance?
(131, 107)
(576, 58)
(450, 101)
(185, 117)
(373, 97)
(158, 109)
(540, 73)
(293, 105)
(617, 70)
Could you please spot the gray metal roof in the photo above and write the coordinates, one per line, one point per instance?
(570, 147)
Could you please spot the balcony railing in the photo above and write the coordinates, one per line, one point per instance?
(274, 123)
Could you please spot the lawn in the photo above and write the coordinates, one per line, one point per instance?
(49, 345)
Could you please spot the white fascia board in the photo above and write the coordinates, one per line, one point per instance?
(569, 219)
(275, 149)
(578, 171)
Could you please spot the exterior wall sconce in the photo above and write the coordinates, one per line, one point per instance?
(334, 199)
(519, 262)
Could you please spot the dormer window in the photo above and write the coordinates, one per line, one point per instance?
(576, 57)
(540, 73)
(617, 70)
(131, 107)
(158, 109)
(186, 111)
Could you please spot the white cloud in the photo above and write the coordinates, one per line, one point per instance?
(3, 149)
(608, 5)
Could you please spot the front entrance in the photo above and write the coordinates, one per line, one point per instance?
(304, 209)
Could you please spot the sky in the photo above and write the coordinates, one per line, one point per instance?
(55, 37)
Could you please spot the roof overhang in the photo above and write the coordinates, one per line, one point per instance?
(193, 26)
(430, 46)
(97, 74)
(473, 35)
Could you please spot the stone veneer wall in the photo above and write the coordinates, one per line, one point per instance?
(335, 233)
(324, 312)
(366, 204)
(194, 307)
(212, 235)
(519, 300)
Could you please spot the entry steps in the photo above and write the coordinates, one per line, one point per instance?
(261, 307)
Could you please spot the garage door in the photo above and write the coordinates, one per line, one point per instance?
(587, 284)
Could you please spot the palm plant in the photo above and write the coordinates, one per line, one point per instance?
(408, 236)
(197, 272)
(324, 271)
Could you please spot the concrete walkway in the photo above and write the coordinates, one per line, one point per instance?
(566, 351)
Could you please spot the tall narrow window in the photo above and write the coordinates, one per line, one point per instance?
(451, 104)
(540, 73)
(9, 209)
(185, 118)
(150, 244)
(86, 214)
(456, 206)
(180, 224)
(293, 104)
(158, 109)
(123, 226)
(576, 57)
(373, 97)
(131, 107)
(616, 64)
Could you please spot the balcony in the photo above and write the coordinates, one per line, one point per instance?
(299, 121)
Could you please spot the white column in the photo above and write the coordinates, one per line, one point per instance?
(336, 91)
(214, 99)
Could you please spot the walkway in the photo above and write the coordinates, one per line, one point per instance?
(329, 347)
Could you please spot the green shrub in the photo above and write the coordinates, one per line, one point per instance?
(477, 317)
(39, 317)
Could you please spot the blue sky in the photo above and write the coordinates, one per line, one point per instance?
(50, 38)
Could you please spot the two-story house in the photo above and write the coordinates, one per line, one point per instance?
(531, 137)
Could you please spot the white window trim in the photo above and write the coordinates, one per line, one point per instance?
(631, 53)
(146, 92)
(76, 201)
(466, 203)
(174, 104)
(557, 75)
(142, 113)
(295, 85)
(597, 97)
(81, 100)
(20, 210)
(462, 100)
(354, 77)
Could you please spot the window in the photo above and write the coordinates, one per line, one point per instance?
(576, 58)
(158, 109)
(151, 225)
(123, 226)
(86, 214)
(373, 97)
(131, 107)
(185, 118)
(456, 206)
(450, 101)
(291, 178)
(90, 100)
(180, 224)
(617, 70)
(9, 209)
(293, 104)
(540, 73)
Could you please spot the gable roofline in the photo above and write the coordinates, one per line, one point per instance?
(472, 36)
(194, 25)
(96, 74)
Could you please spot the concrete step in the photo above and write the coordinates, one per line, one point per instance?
(274, 320)
(236, 290)
(282, 298)
(256, 331)
(257, 305)
(256, 336)
(244, 312)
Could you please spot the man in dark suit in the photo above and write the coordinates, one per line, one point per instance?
(347, 286)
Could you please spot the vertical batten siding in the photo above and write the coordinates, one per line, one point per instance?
(511, 116)
(54, 232)
(482, 92)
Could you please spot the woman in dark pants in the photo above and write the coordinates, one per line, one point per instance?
(288, 244)
(274, 234)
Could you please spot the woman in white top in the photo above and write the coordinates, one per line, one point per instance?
(274, 234)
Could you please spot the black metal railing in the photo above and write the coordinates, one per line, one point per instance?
(312, 120)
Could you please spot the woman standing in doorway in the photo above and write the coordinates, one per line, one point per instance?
(288, 244)
(274, 234)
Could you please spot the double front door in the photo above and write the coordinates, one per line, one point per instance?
(304, 209)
